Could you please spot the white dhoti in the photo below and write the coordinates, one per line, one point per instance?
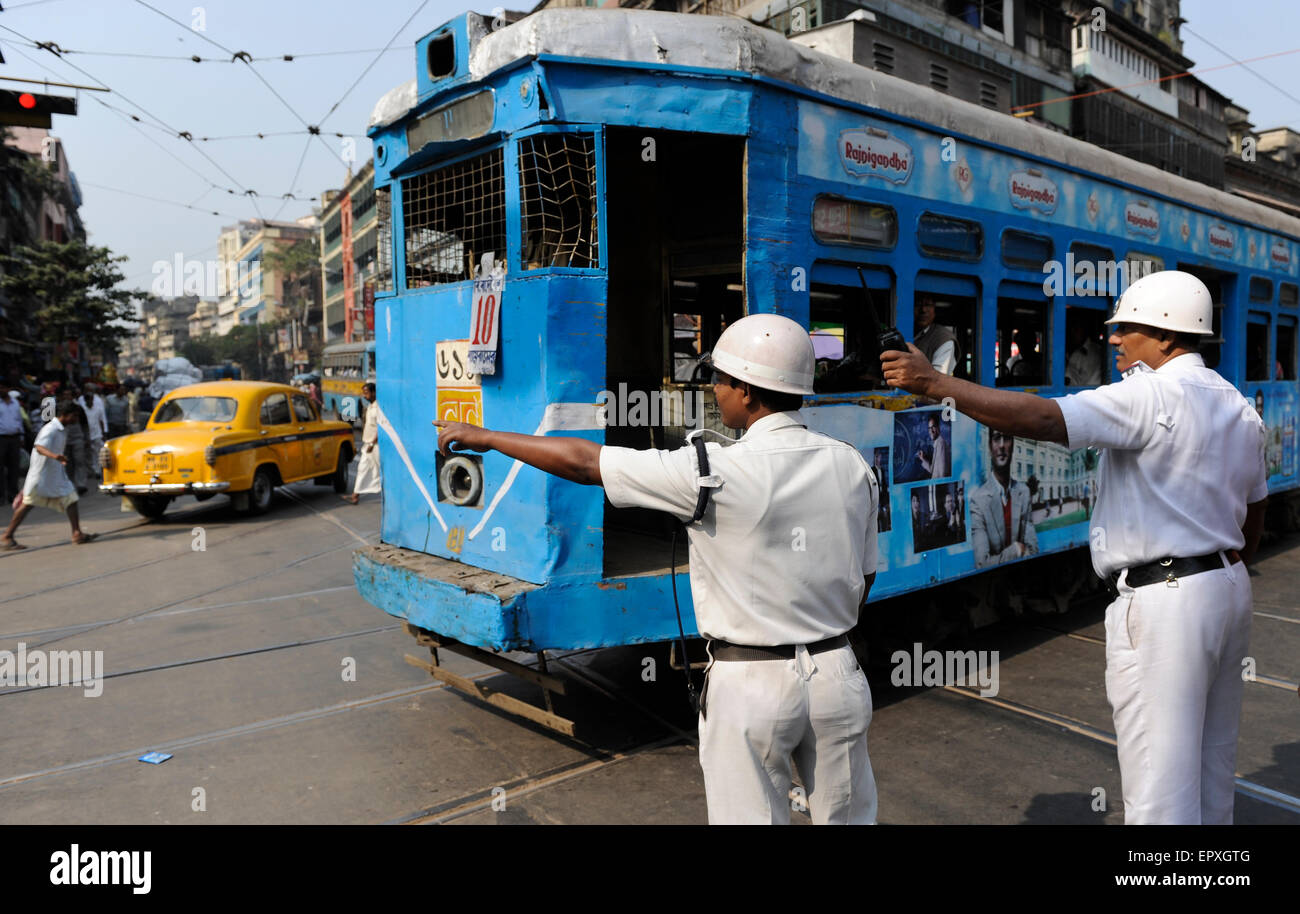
(760, 713)
(1173, 677)
(368, 481)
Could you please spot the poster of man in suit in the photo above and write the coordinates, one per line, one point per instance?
(1001, 529)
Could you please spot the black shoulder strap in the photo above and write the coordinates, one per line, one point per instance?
(702, 500)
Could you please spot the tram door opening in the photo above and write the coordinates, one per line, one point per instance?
(675, 216)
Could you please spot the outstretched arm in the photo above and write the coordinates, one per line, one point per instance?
(1020, 414)
(574, 459)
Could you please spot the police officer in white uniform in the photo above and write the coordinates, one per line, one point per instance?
(781, 563)
(1181, 491)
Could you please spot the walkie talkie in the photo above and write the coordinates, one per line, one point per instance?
(887, 338)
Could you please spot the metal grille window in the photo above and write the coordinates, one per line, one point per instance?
(451, 217)
(882, 56)
(384, 239)
(938, 77)
(557, 196)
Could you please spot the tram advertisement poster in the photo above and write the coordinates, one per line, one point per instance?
(485, 324)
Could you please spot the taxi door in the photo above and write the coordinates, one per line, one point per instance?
(280, 435)
(316, 460)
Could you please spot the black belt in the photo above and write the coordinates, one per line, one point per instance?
(725, 650)
(1170, 570)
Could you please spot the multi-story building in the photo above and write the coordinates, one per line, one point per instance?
(165, 327)
(350, 228)
(232, 240)
(39, 201)
(203, 322)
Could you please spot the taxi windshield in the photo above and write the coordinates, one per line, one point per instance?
(197, 409)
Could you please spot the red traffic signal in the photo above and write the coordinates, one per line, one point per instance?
(30, 109)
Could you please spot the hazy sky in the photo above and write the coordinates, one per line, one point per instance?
(220, 99)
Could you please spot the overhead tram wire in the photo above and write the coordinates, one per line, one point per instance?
(131, 193)
(136, 124)
(195, 58)
(293, 181)
(1025, 110)
(1256, 73)
(246, 59)
(52, 48)
(369, 66)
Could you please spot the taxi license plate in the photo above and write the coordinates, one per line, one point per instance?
(158, 463)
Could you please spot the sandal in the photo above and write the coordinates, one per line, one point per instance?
(11, 546)
(86, 538)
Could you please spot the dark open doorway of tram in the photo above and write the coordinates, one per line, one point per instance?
(675, 218)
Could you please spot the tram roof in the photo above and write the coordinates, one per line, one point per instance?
(737, 45)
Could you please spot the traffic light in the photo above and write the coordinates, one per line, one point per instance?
(19, 108)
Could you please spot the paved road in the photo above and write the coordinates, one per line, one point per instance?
(233, 658)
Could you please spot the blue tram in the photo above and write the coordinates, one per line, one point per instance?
(620, 184)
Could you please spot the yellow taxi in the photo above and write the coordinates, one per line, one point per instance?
(242, 438)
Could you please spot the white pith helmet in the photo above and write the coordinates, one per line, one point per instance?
(768, 351)
(1169, 300)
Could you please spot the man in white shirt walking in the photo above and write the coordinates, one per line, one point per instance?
(369, 481)
(92, 404)
(1181, 491)
(47, 484)
(781, 560)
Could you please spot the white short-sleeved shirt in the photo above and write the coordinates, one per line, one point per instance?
(45, 475)
(1184, 455)
(789, 535)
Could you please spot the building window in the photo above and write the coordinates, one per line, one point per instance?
(557, 191)
(453, 216)
(840, 221)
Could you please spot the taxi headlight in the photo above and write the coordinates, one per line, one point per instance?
(210, 455)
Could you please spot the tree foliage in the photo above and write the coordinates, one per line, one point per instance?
(69, 290)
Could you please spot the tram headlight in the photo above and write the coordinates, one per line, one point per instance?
(461, 480)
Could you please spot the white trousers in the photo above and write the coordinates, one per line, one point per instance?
(759, 713)
(368, 478)
(1173, 678)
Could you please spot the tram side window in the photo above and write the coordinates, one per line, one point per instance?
(451, 218)
(839, 326)
(1085, 347)
(1022, 343)
(1211, 346)
(955, 313)
(557, 190)
(1257, 351)
(1289, 294)
(1285, 370)
(947, 236)
(384, 239)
